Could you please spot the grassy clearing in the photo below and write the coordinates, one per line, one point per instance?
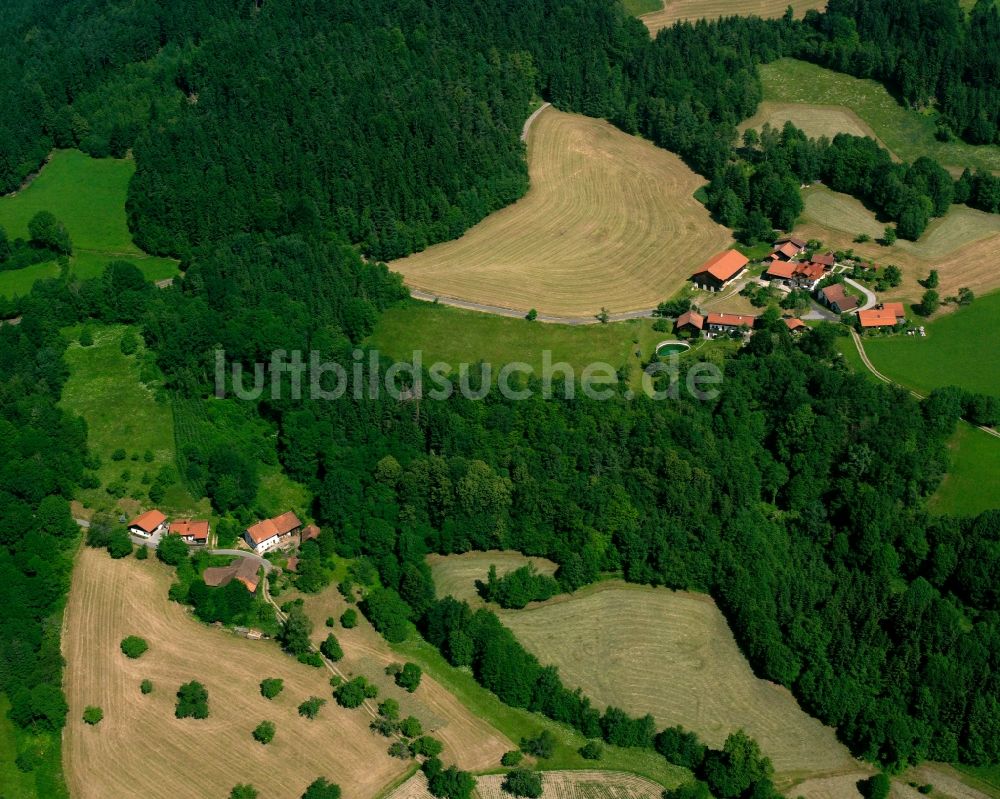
(677, 10)
(516, 724)
(45, 780)
(961, 245)
(88, 196)
(141, 749)
(610, 221)
(639, 7)
(670, 654)
(908, 134)
(972, 484)
(961, 348)
(122, 413)
(986, 776)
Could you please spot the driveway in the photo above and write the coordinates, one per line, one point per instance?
(870, 298)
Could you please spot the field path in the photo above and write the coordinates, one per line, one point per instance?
(499, 310)
(532, 118)
(871, 368)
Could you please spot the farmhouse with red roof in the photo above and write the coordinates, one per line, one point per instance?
(721, 270)
(888, 314)
(691, 322)
(148, 524)
(729, 322)
(838, 300)
(272, 533)
(192, 531)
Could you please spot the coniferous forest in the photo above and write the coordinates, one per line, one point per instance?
(284, 150)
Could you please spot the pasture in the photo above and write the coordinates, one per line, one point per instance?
(141, 749)
(105, 387)
(907, 133)
(670, 654)
(609, 221)
(88, 196)
(678, 10)
(961, 349)
(960, 245)
(972, 483)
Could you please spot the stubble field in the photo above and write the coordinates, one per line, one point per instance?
(609, 221)
(667, 653)
(678, 10)
(140, 749)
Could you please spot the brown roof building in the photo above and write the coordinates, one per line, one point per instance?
(246, 570)
(837, 299)
(194, 532)
(692, 322)
(271, 533)
(148, 523)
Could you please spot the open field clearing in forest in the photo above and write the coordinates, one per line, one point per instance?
(961, 245)
(555, 785)
(676, 10)
(609, 221)
(813, 120)
(671, 654)
(470, 742)
(906, 133)
(140, 749)
(960, 349)
(88, 196)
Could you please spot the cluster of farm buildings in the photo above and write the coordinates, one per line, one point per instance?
(789, 267)
(279, 532)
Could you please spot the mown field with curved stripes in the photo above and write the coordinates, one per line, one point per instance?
(678, 10)
(609, 221)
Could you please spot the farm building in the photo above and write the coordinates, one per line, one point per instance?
(729, 322)
(837, 299)
(795, 274)
(785, 252)
(888, 314)
(272, 533)
(148, 524)
(721, 270)
(246, 570)
(691, 322)
(309, 532)
(827, 261)
(795, 325)
(192, 531)
(799, 244)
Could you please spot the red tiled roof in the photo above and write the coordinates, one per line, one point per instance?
(148, 521)
(731, 319)
(188, 527)
(785, 269)
(826, 260)
(268, 528)
(794, 324)
(835, 293)
(691, 318)
(788, 249)
(791, 239)
(243, 569)
(877, 318)
(894, 308)
(812, 271)
(724, 265)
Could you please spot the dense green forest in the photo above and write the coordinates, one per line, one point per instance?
(273, 141)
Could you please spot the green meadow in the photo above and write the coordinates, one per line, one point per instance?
(45, 779)
(961, 349)
(456, 336)
(972, 484)
(907, 133)
(88, 196)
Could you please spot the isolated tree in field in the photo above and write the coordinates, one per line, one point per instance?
(133, 646)
(311, 707)
(932, 281)
(511, 758)
(264, 732)
(521, 782)
(192, 701)
(592, 750)
(389, 709)
(331, 648)
(889, 236)
(892, 275)
(875, 787)
(409, 677)
(295, 631)
(400, 750)
(146, 686)
(171, 550)
(349, 619)
(243, 792)
(542, 745)
(119, 544)
(350, 694)
(603, 316)
(532, 315)
(447, 783)
(271, 687)
(47, 231)
(410, 727)
(966, 296)
(93, 715)
(322, 789)
(929, 302)
(426, 746)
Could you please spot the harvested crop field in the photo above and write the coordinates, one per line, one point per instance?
(470, 742)
(813, 120)
(140, 749)
(961, 245)
(555, 785)
(456, 575)
(678, 10)
(609, 221)
(670, 654)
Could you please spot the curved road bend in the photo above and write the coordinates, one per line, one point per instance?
(871, 368)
